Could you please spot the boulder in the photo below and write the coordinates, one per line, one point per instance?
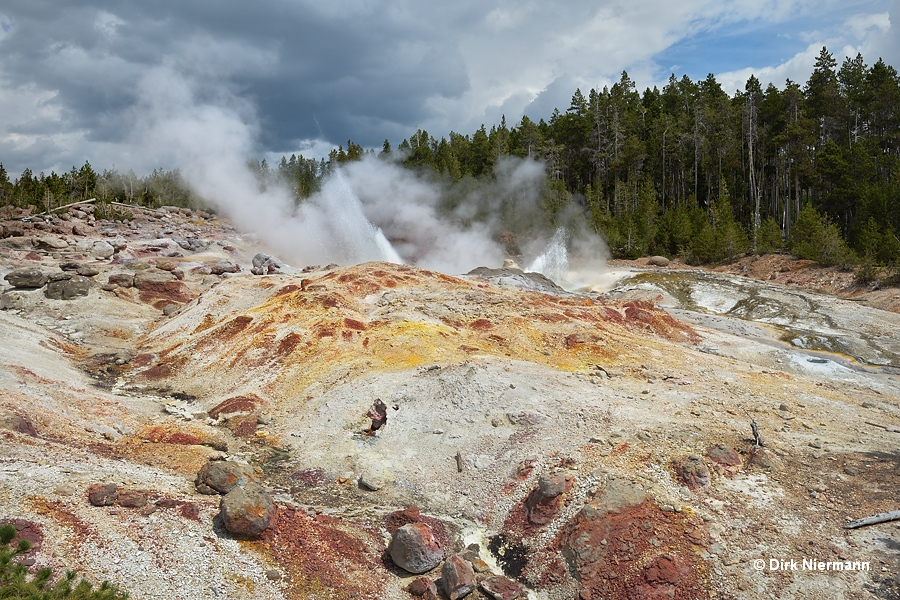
(87, 270)
(263, 264)
(48, 242)
(423, 586)
(726, 457)
(102, 494)
(222, 476)
(499, 587)
(68, 289)
(545, 501)
(125, 280)
(247, 510)
(102, 249)
(692, 471)
(658, 261)
(224, 266)
(131, 498)
(29, 277)
(415, 548)
(457, 577)
(15, 422)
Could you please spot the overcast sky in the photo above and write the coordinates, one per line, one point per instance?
(77, 78)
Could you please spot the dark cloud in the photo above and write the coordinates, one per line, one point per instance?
(71, 73)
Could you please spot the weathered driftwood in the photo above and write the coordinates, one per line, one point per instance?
(890, 428)
(893, 515)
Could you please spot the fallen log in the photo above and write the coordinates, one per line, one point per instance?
(893, 515)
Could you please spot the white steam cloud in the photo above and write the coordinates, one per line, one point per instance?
(450, 228)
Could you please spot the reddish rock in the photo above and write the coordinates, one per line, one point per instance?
(499, 587)
(247, 510)
(415, 548)
(661, 579)
(237, 405)
(457, 577)
(692, 471)
(545, 501)
(622, 545)
(726, 457)
(161, 285)
(16, 422)
(422, 586)
(131, 498)
(102, 494)
(222, 476)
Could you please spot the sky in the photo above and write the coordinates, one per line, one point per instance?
(136, 84)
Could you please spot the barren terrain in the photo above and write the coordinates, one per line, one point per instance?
(594, 445)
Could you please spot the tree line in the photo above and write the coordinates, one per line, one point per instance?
(687, 170)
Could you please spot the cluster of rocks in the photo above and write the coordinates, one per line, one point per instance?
(109, 494)
(415, 548)
(73, 280)
(246, 508)
(263, 264)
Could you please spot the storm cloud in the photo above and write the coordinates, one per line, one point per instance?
(310, 75)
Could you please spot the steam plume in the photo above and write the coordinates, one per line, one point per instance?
(361, 206)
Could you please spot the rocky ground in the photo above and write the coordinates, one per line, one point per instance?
(389, 419)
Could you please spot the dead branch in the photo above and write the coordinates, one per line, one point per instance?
(52, 210)
(755, 428)
(890, 428)
(893, 515)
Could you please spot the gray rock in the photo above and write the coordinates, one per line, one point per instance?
(222, 476)
(102, 249)
(247, 510)
(11, 301)
(87, 270)
(125, 280)
(263, 264)
(371, 482)
(49, 243)
(457, 577)
(150, 278)
(29, 277)
(68, 289)
(658, 261)
(414, 548)
(526, 417)
(224, 266)
(552, 485)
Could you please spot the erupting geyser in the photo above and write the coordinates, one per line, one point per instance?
(355, 237)
(553, 262)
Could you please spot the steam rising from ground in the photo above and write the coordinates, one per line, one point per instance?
(451, 228)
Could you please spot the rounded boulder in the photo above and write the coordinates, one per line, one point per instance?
(247, 510)
(415, 548)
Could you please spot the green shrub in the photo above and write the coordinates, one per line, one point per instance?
(769, 238)
(15, 583)
(815, 237)
(111, 212)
